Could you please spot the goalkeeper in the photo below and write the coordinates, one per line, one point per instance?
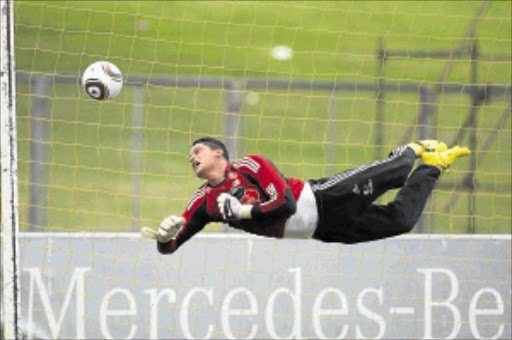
(252, 195)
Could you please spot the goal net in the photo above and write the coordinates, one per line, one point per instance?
(318, 88)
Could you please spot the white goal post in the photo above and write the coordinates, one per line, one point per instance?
(10, 225)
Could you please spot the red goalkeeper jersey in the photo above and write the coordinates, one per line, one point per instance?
(253, 180)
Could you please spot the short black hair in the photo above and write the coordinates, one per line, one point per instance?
(213, 144)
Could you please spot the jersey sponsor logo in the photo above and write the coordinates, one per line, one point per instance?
(250, 197)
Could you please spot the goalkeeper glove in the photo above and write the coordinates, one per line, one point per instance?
(167, 230)
(231, 208)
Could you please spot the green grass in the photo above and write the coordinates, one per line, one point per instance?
(90, 170)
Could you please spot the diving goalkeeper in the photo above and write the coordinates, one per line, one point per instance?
(252, 195)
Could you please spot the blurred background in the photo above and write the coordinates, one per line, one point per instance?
(318, 87)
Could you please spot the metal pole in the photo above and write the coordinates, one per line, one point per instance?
(379, 104)
(9, 164)
(231, 117)
(331, 134)
(39, 153)
(137, 153)
(233, 103)
(463, 183)
(476, 101)
(425, 129)
(426, 97)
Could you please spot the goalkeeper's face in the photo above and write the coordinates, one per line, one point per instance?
(205, 160)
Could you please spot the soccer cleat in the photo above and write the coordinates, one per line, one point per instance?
(432, 145)
(443, 159)
(427, 145)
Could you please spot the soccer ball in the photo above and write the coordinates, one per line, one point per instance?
(102, 80)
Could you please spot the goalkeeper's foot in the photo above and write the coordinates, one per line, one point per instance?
(444, 159)
(427, 145)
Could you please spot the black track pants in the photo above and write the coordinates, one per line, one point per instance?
(345, 201)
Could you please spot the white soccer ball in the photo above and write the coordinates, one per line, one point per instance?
(102, 80)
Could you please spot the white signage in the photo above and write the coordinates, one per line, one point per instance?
(123, 289)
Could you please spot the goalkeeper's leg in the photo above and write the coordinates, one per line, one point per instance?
(355, 189)
(381, 221)
(391, 173)
(351, 192)
(398, 216)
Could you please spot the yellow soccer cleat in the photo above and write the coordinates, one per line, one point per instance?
(445, 158)
(427, 145)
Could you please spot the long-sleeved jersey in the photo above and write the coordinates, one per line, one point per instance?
(253, 180)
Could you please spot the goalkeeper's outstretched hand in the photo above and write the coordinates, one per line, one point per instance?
(167, 230)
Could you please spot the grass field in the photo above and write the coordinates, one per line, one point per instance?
(90, 169)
